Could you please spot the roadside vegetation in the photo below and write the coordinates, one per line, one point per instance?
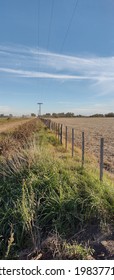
(50, 207)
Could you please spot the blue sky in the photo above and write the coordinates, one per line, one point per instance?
(59, 52)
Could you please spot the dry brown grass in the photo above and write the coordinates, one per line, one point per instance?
(17, 138)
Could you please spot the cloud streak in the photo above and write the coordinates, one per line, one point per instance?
(45, 75)
(28, 62)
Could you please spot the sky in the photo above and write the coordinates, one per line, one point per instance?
(58, 52)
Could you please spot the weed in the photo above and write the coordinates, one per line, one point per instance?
(10, 243)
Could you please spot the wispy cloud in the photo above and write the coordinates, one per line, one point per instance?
(28, 62)
(45, 75)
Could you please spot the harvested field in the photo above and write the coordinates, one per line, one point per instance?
(94, 129)
(7, 124)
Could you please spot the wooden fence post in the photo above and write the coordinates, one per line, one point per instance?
(55, 127)
(61, 134)
(72, 142)
(58, 130)
(50, 124)
(83, 148)
(66, 137)
(101, 157)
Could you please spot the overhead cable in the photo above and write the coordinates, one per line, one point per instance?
(69, 25)
(38, 23)
(50, 24)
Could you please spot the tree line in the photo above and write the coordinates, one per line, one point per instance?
(72, 115)
(63, 115)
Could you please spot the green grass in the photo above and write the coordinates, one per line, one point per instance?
(43, 191)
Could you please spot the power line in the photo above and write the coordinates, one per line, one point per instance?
(38, 23)
(38, 35)
(38, 48)
(49, 32)
(50, 24)
(70, 22)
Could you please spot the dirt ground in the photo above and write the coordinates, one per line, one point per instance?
(94, 129)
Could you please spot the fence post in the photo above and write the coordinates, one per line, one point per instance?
(83, 147)
(54, 127)
(101, 157)
(58, 130)
(72, 142)
(66, 137)
(61, 134)
(49, 124)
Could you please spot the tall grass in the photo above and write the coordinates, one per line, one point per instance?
(42, 192)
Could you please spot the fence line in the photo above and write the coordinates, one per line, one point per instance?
(101, 158)
(58, 129)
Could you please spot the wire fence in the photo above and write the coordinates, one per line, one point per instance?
(88, 145)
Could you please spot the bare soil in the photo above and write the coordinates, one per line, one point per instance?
(94, 129)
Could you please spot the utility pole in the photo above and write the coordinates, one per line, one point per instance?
(39, 109)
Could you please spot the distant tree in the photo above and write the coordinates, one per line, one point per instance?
(33, 115)
(61, 115)
(79, 116)
(69, 115)
(54, 115)
(47, 115)
(97, 116)
(109, 115)
(2, 116)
